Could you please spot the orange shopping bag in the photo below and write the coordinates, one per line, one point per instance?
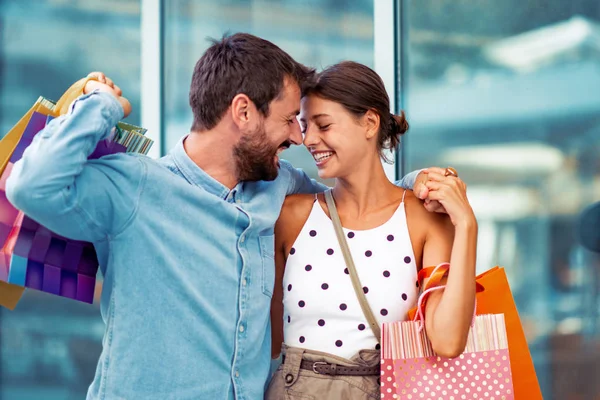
(495, 297)
(11, 294)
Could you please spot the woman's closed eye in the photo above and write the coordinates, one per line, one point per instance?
(303, 128)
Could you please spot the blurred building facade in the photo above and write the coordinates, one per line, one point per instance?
(507, 92)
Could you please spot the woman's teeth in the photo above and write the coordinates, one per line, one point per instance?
(322, 156)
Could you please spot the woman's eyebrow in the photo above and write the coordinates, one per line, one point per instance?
(313, 117)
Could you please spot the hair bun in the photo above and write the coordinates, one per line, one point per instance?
(399, 124)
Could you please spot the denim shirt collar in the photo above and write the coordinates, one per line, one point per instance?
(196, 175)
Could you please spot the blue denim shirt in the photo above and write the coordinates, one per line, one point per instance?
(188, 264)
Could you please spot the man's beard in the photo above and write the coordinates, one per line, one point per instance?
(255, 157)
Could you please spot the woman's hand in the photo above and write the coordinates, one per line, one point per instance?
(421, 190)
(105, 84)
(451, 192)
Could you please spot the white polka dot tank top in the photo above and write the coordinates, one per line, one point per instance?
(321, 310)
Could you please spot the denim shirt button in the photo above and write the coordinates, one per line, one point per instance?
(241, 328)
(289, 378)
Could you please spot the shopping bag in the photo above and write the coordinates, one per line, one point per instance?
(495, 297)
(46, 261)
(43, 106)
(410, 368)
(33, 256)
(8, 213)
(9, 244)
(10, 294)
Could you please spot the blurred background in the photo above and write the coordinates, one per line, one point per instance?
(508, 92)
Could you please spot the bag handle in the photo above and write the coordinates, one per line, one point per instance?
(73, 92)
(437, 274)
(339, 232)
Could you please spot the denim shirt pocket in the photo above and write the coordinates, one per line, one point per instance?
(267, 253)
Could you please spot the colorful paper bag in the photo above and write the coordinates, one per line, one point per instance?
(495, 297)
(31, 255)
(411, 370)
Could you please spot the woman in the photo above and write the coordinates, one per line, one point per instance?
(330, 351)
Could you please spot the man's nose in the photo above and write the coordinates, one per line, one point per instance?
(296, 135)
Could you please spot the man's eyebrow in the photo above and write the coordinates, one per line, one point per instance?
(293, 114)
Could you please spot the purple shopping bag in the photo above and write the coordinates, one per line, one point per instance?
(32, 256)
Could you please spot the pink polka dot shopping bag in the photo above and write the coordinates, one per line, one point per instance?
(486, 369)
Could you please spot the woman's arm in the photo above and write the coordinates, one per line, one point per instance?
(448, 312)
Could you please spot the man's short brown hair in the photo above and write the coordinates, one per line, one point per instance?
(240, 63)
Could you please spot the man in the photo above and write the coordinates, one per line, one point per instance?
(185, 243)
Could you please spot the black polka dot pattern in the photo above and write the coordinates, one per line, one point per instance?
(383, 252)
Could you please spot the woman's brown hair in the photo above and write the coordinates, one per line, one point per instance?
(359, 89)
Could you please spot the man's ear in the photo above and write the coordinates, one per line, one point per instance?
(243, 110)
(371, 120)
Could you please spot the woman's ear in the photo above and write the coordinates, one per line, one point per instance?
(371, 121)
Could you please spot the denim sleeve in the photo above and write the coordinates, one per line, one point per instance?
(56, 185)
(299, 181)
(408, 182)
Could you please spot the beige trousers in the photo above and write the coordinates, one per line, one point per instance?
(292, 383)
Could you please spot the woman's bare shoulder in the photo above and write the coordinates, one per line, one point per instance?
(296, 209)
(420, 219)
(296, 203)
(294, 214)
(416, 209)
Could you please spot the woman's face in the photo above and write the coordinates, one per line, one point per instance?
(336, 139)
